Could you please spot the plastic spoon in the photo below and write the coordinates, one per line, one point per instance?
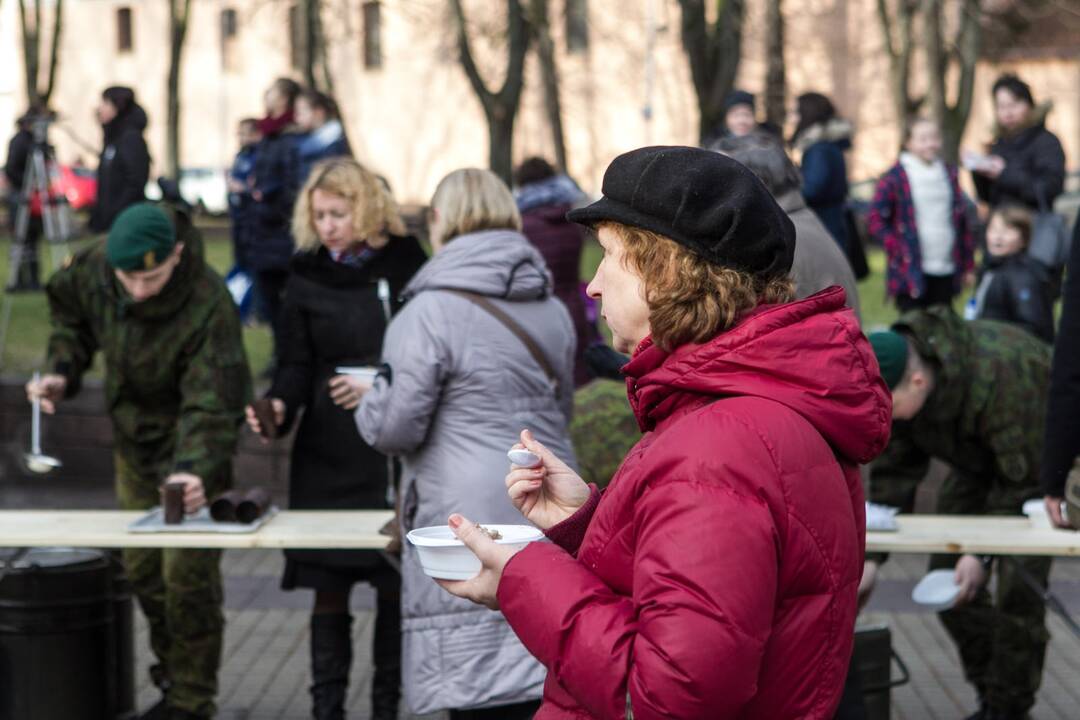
(37, 461)
(524, 458)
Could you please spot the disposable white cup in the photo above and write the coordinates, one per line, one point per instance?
(365, 374)
(1035, 510)
(445, 557)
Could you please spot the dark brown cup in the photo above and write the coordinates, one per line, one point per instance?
(251, 508)
(264, 413)
(172, 502)
(223, 509)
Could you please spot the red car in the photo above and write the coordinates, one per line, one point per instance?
(77, 184)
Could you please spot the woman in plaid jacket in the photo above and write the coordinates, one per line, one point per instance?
(919, 214)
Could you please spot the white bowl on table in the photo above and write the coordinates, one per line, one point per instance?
(1035, 509)
(445, 557)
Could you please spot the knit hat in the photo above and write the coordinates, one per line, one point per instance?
(702, 200)
(738, 97)
(891, 350)
(140, 238)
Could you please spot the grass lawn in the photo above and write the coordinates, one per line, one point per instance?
(29, 326)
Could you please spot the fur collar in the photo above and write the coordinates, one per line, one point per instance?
(835, 130)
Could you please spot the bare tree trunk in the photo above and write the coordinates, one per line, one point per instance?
(964, 51)
(500, 108)
(899, 43)
(54, 52)
(776, 69)
(713, 51)
(545, 51)
(30, 35)
(179, 12)
(311, 41)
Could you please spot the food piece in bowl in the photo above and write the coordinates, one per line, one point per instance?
(493, 534)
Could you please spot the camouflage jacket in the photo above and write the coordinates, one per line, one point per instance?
(176, 375)
(984, 416)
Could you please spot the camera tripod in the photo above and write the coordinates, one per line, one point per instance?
(55, 218)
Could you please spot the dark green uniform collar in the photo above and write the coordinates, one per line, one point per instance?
(943, 340)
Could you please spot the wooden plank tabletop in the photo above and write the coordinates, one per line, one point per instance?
(984, 535)
(347, 529)
(359, 529)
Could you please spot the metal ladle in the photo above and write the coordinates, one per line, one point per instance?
(35, 460)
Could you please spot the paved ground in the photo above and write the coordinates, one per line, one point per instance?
(265, 675)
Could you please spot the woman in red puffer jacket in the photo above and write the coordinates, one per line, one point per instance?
(716, 577)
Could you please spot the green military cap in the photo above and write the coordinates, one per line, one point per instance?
(891, 350)
(141, 237)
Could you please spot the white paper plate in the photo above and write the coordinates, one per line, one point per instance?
(443, 556)
(937, 591)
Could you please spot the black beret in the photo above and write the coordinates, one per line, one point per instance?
(702, 200)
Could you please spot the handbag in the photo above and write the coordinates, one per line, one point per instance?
(1049, 237)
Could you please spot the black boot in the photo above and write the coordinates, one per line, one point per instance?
(386, 684)
(331, 657)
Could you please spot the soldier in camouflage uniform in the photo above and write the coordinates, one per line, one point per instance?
(973, 394)
(176, 382)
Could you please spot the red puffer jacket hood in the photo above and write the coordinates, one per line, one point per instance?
(802, 354)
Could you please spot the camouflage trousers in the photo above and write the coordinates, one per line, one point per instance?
(1002, 637)
(180, 593)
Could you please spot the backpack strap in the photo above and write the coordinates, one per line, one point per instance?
(513, 326)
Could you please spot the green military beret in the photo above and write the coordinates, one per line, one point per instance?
(891, 350)
(141, 237)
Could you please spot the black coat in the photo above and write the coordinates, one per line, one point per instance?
(123, 168)
(18, 154)
(332, 316)
(1063, 405)
(1034, 162)
(269, 244)
(1019, 293)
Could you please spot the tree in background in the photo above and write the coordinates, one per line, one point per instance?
(33, 26)
(179, 14)
(500, 107)
(314, 63)
(775, 67)
(951, 34)
(540, 23)
(713, 49)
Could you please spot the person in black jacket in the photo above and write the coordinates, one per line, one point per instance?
(269, 244)
(1062, 446)
(1026, 164)
(353, 261)
(124, 166)
(26, 276)
(1013, 286)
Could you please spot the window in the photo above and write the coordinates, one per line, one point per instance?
(229, 28)
(372, 35)
(297, 37)
(577, 26)
(124, 41)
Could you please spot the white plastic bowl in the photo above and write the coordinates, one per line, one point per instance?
(365, 374)
(938, 590)
(1035, 509)
(445, 557)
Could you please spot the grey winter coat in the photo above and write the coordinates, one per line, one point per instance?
(459, 390)
(819, 261)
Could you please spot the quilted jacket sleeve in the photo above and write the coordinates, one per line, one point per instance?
(396, 413)
(688, 643)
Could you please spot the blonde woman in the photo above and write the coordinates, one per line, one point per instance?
(350, 240)
(460, 387)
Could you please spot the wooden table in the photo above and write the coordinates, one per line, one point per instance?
(359, 529)
(313, 529)
(978, 535)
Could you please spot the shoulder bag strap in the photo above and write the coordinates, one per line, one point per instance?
(512, 325)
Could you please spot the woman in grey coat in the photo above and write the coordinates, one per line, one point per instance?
(455, 391)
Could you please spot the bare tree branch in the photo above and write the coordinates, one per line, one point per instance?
(179, 14)
(713, 51)
(54, 51)
(539, 20)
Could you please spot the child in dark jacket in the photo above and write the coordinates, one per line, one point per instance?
(919, 215)
(1013, 286)
(241, 175)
